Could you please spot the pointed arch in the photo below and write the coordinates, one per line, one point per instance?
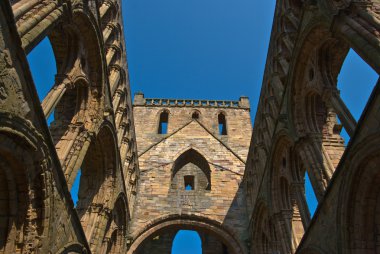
(163, 122)
(116, 229)
(192, 156)
(359, 201)
(96, 188)
(24, 169)
(262, 230)
(288, 193)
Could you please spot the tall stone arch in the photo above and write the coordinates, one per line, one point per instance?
(190, 222)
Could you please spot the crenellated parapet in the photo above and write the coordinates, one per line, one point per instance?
(139, 100)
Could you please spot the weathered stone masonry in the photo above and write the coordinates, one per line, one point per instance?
(191, 148)
(92, 130)
(247, 191)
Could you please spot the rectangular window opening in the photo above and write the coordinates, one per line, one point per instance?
(163, 124)
(189, 183)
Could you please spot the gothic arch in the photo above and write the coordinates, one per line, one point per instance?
(196, 158)
(162, 115)
(359, 202)
(287, 194)
(90, 34)
(116, 229)
(25, 217)
(190, 222)
(96, 189)
(263, 233)
(75, 98)
(314, 102)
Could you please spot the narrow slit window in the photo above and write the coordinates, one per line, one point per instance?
(163, 125)
(189, 183)
(222, 124)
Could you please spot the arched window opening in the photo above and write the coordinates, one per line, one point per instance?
(288, 191)
(43, 67)
(163, 124)
(222, 124)
(316, 113)
(97, 174)
(114, 237)
(189, 182)
(321, 119)
(191, 169)
(263, 232)
(195, 116)
(187, 242)
(22, 214)
(311, 198)
(355, 87)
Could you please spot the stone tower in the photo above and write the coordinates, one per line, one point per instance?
(191, 156)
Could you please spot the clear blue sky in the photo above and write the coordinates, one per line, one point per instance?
(214, 49)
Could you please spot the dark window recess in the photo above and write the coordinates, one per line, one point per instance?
(284, 162)
(222, 124)
(225, 249)
(189, 182)
(195, 115)
(163, 125)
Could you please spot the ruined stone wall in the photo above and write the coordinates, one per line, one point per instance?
(192, 147)
(90, 105)
(297, 131)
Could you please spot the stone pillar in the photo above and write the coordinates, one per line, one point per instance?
(122, 131)
(76, 159)
(282, 233)
(121, 111)
(52, 98)
(111, 54)
(299, 195)
(108, 31)
(332, 98)
(116, 99)
(64, 149)
(114, 78)
(314, 164)
(105, 7)
(124, 147)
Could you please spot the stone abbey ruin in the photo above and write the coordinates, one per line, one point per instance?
(151, 167)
